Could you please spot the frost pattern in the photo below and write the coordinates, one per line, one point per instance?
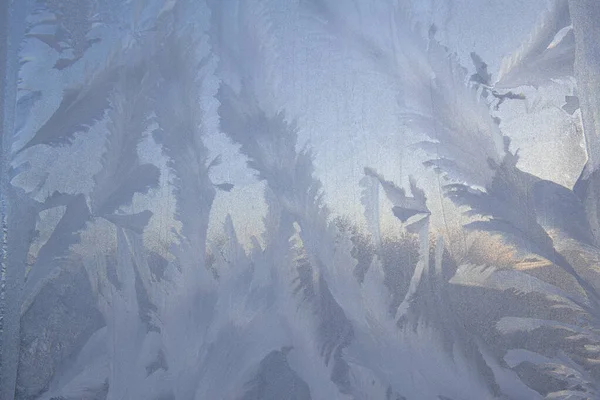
(126, 273)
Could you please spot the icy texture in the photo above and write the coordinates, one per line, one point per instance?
(177, 224)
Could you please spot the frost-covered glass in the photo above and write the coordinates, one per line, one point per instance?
(300, 199)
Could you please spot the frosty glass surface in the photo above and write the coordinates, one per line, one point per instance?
(299, 199)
